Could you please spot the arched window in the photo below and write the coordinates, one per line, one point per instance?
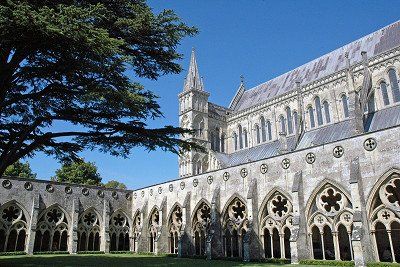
(258, 134)
(385, 224)
(295, 120)
(235, 217)
(240, 137)
(89, 231)
(154, 220)
(345, 105)
(119, 232)
(282, 124)
(175, 225)
(318, 109)
(326, 110)
(263, 136)
(289, 120)
(269, 130)
(246, 144)
(13, 228)
(384, 92)
(137, 229)
(200, 226)
(311, 114)
(330, 209)
(217, 140)
(235, 141)
(222, 142)
(52, 222)
(276, 223)
(212, 141)
(395, 85)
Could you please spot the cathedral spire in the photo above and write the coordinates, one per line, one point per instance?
(193, 80)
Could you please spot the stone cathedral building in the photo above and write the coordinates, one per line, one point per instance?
(303, 166)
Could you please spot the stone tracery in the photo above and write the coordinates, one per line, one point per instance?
(13, 227)
(89, 231)
(235, 226)
(330, 224)
(52, 231)
(119, 232)
(276, 224)
(385, 220)
(200, 227)
(175, 227)
(154, 220)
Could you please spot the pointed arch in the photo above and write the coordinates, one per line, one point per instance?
(199, 203)
(89, 225)
(275, 189)
(200, 223)
(229, 201)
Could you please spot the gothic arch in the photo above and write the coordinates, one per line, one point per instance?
(234, 226)
(89, 229)
(13, 226)
(229, 201)
(137, 225)
(322, 184)
(120, 231)
(384, 216)
(199, 203)
(52, 229)
(329, 216)
(200, 222)
(175, 223)
(153, 224)
(267, 197)
(275, 219)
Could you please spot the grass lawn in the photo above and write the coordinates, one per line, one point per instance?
(116, 260)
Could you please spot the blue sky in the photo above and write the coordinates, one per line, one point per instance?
(257, 39)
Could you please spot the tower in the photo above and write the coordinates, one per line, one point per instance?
(193, 114)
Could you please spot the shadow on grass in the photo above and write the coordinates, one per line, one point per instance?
(115, 260)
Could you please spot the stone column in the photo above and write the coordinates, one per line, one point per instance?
(105, 231)
(32, 225)
(73, 231)
(298, 239)
(361, 241)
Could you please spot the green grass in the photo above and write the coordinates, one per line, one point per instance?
(118, 260)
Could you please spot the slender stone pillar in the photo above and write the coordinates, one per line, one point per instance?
(32, 225)
(361, 242)
(298, 238)
(105, 232)
(73, 231)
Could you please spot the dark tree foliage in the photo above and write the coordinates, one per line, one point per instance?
(78, 172)
(66, 62)
(20, 169)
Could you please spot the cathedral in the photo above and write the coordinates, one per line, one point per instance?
(303, 166)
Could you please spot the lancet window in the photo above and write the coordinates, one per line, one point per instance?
(89, 231)
(119, 232)
(13, 228)
(200, 226)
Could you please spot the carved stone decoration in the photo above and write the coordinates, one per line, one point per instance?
(28, 186)
(264, 168)
(159, 190)
(370, 144)
(195, 182)
(128, 196)
(68, 190)
(226, 176)
(85, 191)
(285, 163)
(50, 188)
(151, 191)
(88, 223)
(338, 151)
(137, 226)
(100, 193)
(389, 192)
(237, 212)
(114, 194)
(182, 185)
(209, 179)
(142, 193)
(171, 187)
(6, 184)
(119, 226)
(279, 206)
(154, 223)
(347, 219)
(135, 195)
(320, 220)
(331, 201)
(244, 172)
(310, 158)
(175, 220)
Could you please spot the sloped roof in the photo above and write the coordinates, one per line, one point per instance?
(380, 120)
(375, 43)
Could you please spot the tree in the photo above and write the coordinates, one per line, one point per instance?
(78, 172)
(73, 63)
(115, 184)
(20, 169)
